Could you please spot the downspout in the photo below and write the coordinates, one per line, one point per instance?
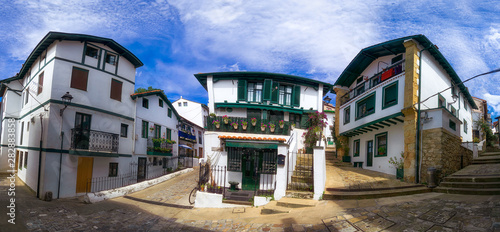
(60, 156)
(39, 159)
(417, 144)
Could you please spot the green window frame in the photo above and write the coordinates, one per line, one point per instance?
(452, 125)
(355, 149)
(145, 128)
(390, 95)
(347, 115)
(285, 94)
(234, 159)
(465, 126)
(381, 140)
(123, 130)
(296, 95)
(254, 91)
(441, 101)
(365, 106)
(145, 103)
(169, 113)
(169, 134)
(453, 111)
(160, 103)
(157, 131)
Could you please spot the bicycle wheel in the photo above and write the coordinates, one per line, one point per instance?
(192, 195)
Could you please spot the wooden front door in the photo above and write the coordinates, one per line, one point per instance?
(369, 153)
(84, 174)
(141, 169)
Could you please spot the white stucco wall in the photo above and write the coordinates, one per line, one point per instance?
(193, 112)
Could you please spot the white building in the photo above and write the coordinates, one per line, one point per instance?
(377, 106)
(249, 151)
(156, 137)
(329, 111)
(93, 137)
(192, 111)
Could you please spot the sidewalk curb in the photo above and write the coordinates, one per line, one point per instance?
(119, 192)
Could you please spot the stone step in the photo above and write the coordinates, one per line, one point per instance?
(303, 179)
(299, 194)
(468, 191)
(303, 167)
(300, 186)
(302, 173)
(486, 161)
(296, 203)
(489, 154)
(475, 185)
(237, 202)
(479, 179)
(374, 193)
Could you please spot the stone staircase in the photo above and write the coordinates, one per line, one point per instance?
(301, 184)
(482, 177)
(333, 160)
(286, 205)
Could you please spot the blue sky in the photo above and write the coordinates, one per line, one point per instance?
(315, 39)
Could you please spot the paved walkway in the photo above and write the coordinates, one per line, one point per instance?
(422, 212)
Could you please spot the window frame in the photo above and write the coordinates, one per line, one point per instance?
(465, 126)
(452, 124)
(96, 56)
(284, 97)
(169, 134)
(347, 116)
(376, 146)
(145, 103)
(116, 94)
(123, 126)
(145, 129)
(184, 104)
(365, 100)
(108, 54)
(453, 111)
(200, 138)
(40, 83)
(356, 147)
(113, 169)
(392, 84)
(252, 96)
(25, 161)
(73, 82)
(160, 103)
(169, 113)
(440, 97)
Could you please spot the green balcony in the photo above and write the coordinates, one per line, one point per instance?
(229, 126)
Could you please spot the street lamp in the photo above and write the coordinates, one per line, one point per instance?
(66, 99)
(327, 99)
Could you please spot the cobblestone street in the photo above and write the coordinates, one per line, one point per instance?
(422, 212)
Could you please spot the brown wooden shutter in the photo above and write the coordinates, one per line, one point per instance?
(79, 78)
(40, 83)
(116, 90)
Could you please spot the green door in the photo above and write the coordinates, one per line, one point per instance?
(250, 178)
(369, 153)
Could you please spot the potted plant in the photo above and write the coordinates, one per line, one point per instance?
(235, 125)
(216, 123)
(212, 115)
(272, 126)
(382, 150)
(293, 126)
(346, 157)
(281, 123)
(263, 126)
(226, 119)
(254, 121)
(244, 124)
(399, 165)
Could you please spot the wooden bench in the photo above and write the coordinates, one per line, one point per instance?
(358, 164)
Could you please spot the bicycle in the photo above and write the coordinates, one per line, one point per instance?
(192, 195)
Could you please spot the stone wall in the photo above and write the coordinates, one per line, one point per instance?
(444, 151)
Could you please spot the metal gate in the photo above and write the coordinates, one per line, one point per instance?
(300, 172)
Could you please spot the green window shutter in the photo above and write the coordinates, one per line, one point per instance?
(390, 95)
(370, 103)
(242, 90)
(267, 91)
(145, 128)
(169, 113)
(275, 92)
(296, 95)
(169, 134)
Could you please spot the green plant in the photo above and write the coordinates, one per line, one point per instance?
(271, 125)
(244, 123)
(234, 124)
(397, 163)
(253, 120)
(263, 125)
(476, 140)
(212, 115)
(216, 122)
(382, 150)
(281, 123)
(293, 124)
(142, 90)
(486, 128)
(316, 123)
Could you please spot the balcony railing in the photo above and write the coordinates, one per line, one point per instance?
(161, 147)
(374, 81)
(252, 129)
(92, 140)
(185, 136)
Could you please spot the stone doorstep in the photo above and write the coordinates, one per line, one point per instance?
(340, 195)
(467, 191)
(489, 154)
(475, 185)
(296, 203)
(234, 202)
(470, 178)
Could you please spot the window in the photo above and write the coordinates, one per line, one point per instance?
(285, 97)
(453, 111)
(169, 113)
(20, 165)
(397, 59)
(145, 103)
(155, 161)
(441, 101)
(465, 104)
(254, 92)
(381, 144)
(110, 59)
(359, 90)
(169, 134)
(234, 159)
(145, 128)
(347, 115)
(452, 125)
(116, 90)
(42, 58)
(365, 107)
(91, 51)
(359, 80)
(390, 95)
(40, 84)
(22, 130)
(269, 164)
(113, 169)
(465, 126)
(157, 131)
(124, 130)
(160, 103)
(79, 78)
(355, 149)
(27, 95)
(25, 159)
(200, 139)
(185, 104)
(180, 104)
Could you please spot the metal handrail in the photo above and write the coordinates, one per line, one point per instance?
(94, 140)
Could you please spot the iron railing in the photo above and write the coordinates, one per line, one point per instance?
(212, 179)
(93, 140)
(374, 81)
(250, 128)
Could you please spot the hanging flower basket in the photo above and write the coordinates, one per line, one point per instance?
(254, 121)
(235, 125)
(272, 127)
(263, 127)
(281, 123)
(226, 119)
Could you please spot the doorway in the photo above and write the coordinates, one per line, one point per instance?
(250, 163)
(369, 153)
(141, 169)
(84, 174)
(82, 131)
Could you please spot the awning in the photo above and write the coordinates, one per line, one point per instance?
(252, 145)
(185, 146)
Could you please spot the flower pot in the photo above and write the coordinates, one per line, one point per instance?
(217, 126)
(271, 129)
(244, 127)
(400, 173)
(263, 128)
(235, 126)
(281, 126)
(226, 121)
(253, 123)
(292, 126)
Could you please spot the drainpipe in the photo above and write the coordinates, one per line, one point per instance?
(40, 158)
(417, 144)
